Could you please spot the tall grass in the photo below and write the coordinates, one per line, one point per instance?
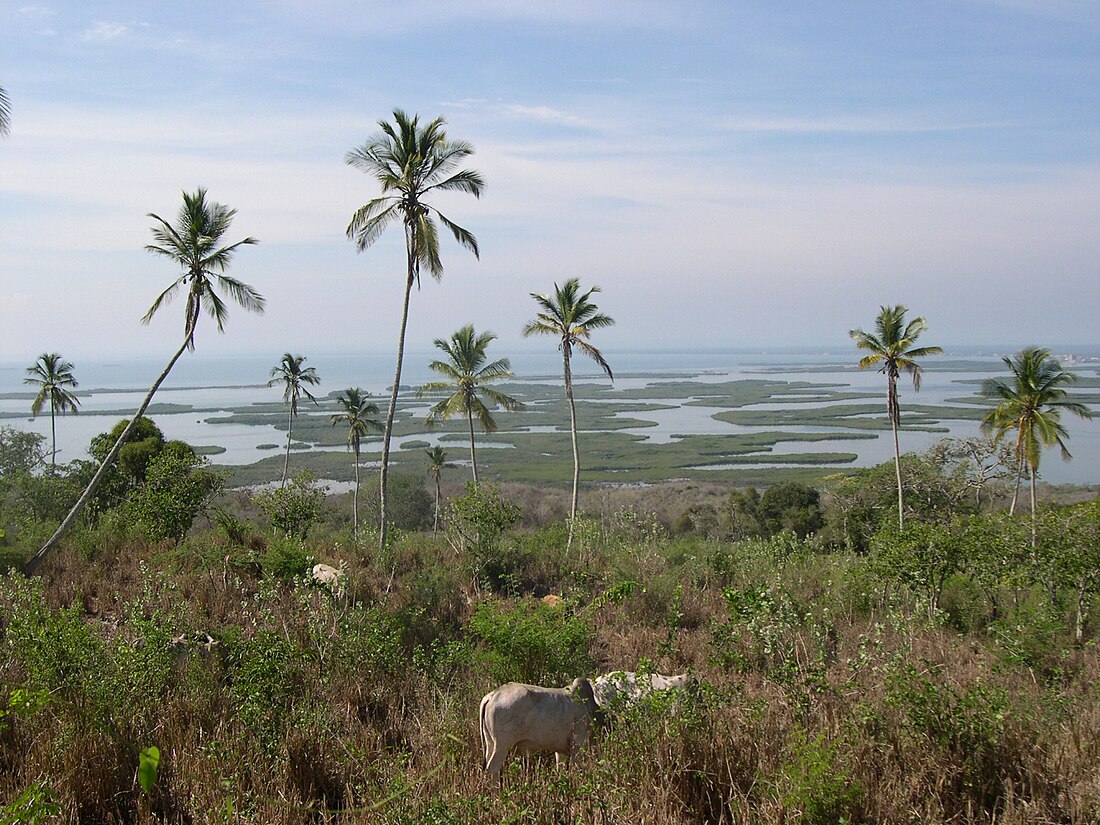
(829, 693)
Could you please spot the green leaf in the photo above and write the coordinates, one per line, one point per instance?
(147, 769)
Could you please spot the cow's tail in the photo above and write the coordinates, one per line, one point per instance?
(484, 731)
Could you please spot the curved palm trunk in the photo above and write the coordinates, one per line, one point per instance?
(568, 373)
(32, 564)
(895, 420)
(289, 434)
(355, 495)
(393, 395)
(473, 455)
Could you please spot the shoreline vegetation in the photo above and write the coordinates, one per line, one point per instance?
(822, 412)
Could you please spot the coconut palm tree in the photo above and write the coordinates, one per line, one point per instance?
(52, 375)
(437, 463)
(1032, 405)
(290, 373)
(358, 414)
(891, 347)
(5, 112)
(467, 374)
(410, 161)
(194, 244)
(571, 317)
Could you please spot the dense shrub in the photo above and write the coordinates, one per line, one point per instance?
(531, 642)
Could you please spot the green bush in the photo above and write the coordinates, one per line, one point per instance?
(791, 506)
(815, 781)
(293, 509)
(532, 643)
(285, 557)
(174, 492)
(266, 681)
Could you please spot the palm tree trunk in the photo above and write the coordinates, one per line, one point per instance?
(393, 395)
(355, 496)
(32, 564)
(573, 433)
(289, 433)
(438, 492)
(1034, 515)
(473, 455)
(892, 411)
(1016, 491)
(53, 433)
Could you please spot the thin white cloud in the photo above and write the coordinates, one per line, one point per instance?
(389, 17)
(103, 31)
(35, 12)
(870, 124)
(544, 114)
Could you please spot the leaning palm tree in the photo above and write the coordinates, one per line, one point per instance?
(410, 161)
(891, 346)
(193, 243)
(5, 112)
(467, 375)
(52, 375)
(290, 373)
(358, 414)
(570, 317)
(1032, 405)
(437, 463)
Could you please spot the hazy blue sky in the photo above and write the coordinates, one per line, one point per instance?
(730, 173)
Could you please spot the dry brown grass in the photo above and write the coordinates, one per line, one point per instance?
(317, 710)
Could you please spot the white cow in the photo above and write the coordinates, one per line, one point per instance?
(623, 688)
(327, 576)
(530, 718)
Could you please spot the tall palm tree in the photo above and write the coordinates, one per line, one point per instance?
(891, 347)
(437, 463)
(1032, 405)
(467, 374)
(570, 317)
(410, 161)
(358, 414)
(193, 243)
(290, 373)
(5, 112)
(52, 375)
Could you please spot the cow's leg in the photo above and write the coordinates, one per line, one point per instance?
(495, 760)
(580, 736)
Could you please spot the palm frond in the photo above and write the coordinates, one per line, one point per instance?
(370, 221)
(468, 181)
(164, 298)
(243, 294)
(215, 307)
(485, 418)
(464, 237)
(5, 113)
(501, 400)
(596, 356)
(427, 245)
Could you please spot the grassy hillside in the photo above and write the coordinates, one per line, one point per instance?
(835, 688)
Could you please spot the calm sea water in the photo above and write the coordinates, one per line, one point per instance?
(214, 386)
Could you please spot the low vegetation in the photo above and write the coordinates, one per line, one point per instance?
(177, 664)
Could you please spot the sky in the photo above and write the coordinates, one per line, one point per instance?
(731, 174)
